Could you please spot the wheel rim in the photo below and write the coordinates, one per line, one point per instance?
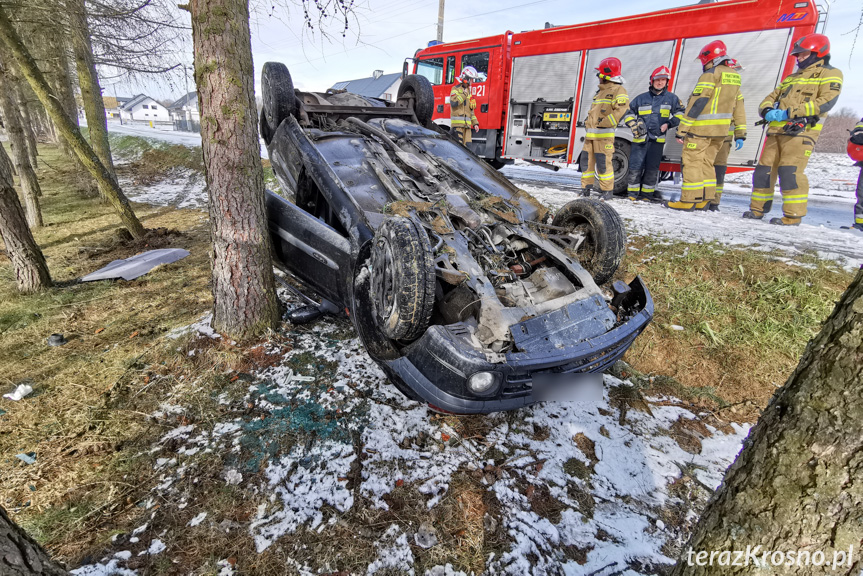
(620, 163)
(383, 280)
(584, 252)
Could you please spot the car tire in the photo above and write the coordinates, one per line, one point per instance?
(277, 91)
(620, 162)
(605, 235)
(402, 279)
(420, 89)
(266, 132)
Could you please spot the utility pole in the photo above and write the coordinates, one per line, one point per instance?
(440, 21)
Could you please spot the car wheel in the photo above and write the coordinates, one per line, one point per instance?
(620, 161)
(604, 237)
(402, 279)
(416, 90)
(277, 90)
(266, 132)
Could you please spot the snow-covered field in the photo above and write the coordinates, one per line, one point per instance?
(596, 488)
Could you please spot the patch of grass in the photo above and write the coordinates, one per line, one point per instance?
(82, 422)
(746, 317)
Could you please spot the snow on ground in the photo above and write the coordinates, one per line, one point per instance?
(172, 136)
(612, 473)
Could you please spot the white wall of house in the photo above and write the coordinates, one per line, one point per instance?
(147, 111)
(392, 92)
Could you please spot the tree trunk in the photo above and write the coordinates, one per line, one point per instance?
(797, 486)
(108, 186)
(31, 271)
(26, 119)
(20, 555)
(88, 81)
(29, 184)
(244, 293)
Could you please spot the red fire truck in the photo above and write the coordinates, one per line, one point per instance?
(539, 84)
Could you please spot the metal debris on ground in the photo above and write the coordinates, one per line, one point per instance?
(426, 537)
(28, 458)
(137, 265)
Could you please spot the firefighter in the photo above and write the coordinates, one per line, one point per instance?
(736, 136)
(704, 126)
(855, 151)
(610, 106)
(794, 111)
(657, 110)
(462, 106)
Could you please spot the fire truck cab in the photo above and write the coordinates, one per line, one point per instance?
(539, 84)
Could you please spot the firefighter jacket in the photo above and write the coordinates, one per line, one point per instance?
(807, 94)
(737, 129)
(461, 107)
(610, 106)
(656, 109)
(715, 101)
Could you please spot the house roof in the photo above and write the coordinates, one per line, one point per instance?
(371, 87)
(136, 100)
(115, 101)
(186, 99)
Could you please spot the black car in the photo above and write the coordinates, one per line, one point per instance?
(462, 287)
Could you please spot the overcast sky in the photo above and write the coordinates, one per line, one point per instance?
(384, 32)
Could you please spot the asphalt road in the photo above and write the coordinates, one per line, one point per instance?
(825, 212)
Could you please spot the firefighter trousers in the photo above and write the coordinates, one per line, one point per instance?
(784, 157)
(462, 134)
(720, 167)
(699, 177)
(644, 160)
(597, 164)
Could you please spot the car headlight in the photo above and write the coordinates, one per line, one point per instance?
(482, 382)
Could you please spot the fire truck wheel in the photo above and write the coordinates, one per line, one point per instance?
(419, 89)
(277, 90)
(596, 236)
(402, 279)
(620, 161)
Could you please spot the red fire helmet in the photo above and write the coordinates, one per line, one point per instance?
(817, 43)
(610, 67)
(711, 51)
(661, 72)
(855, 151)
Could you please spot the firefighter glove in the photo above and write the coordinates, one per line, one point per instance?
(776, 115)
(738, 144)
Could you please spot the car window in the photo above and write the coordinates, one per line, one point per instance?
(431, 68)
(450, 69)
(478, 60)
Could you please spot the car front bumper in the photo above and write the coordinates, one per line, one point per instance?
(438, 365)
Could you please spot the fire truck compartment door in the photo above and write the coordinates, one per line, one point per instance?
(638, 62)
(552, 77)
(762, 55)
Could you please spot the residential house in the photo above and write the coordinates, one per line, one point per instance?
(113, 104)
(144, 110)
(184, 113)
(378, 85)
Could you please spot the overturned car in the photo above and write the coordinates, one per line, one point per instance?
(462, 287)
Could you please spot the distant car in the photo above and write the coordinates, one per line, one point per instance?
(461, 286)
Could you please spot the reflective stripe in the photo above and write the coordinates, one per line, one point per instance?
(638, 140)
(795, 196)
(647, 112)
(810, 81)
(601, 133)
(661, 140)
(647, 190)
(692, 185)
(719, 189)
(787, 201)
(718, 122)
(710, 182)
(762, 196)
(714, 116)
(602, 101)
(705, 85)
(679, 115)
(858, 219)
(715, 106)
(632, 188)
(612, 119)
(607, 176)
(739, 96)
(587, 174)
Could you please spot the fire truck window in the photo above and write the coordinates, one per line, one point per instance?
(450, 69)
(478, 61)
(432, 69)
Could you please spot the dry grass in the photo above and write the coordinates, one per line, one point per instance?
(746, 319)
(86, 469)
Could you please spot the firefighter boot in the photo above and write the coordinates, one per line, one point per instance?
(785, 221)
(586, 191)
(680, 205)
(751, 215)
(713, 207)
